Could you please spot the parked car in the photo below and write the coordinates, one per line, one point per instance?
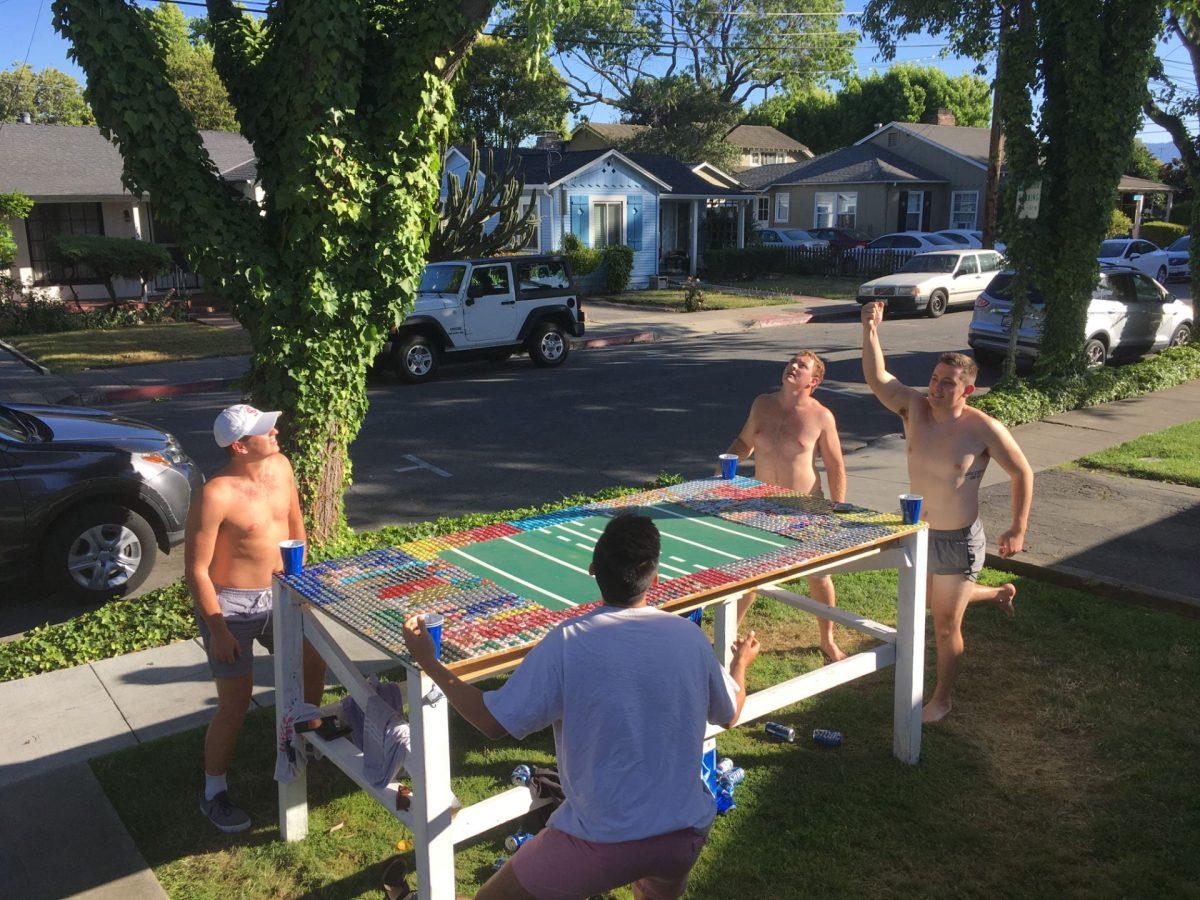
(790, 237)
(1135, 252)
(1129, 314)
(87, 496)
(488, 307)
(934, 282)
(1177, 257)
(841, 238)
(962, 237)
(915, 241)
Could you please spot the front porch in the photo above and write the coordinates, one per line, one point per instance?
(688, 226)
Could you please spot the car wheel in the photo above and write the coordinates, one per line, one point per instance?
(988, 357)
(98, 552)
(548, 345)
(937, 304)
(1095, 353)
(415, 359)
(1180, 336)
(1161, 277)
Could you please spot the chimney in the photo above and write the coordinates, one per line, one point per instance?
(549, 140)
(25, 118)
(939, 116)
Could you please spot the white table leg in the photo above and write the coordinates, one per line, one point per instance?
(725, 630)
(910, 651)
(289, 688)
(429, 766)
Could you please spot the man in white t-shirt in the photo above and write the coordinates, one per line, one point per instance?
(629, 690)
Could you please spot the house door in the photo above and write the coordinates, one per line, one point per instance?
(915, 207)
(179, 277)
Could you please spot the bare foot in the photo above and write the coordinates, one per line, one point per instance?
(935, 710)
(833, 652)
(1005, 595)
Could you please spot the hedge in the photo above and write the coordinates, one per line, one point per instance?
(1015, 401)
(38, 315)
(1164, 234)
(110, 258)
(163, 616)
(618, 266)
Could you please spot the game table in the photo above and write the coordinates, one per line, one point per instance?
(502, 587)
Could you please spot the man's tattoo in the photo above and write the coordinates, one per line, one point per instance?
(974, 475)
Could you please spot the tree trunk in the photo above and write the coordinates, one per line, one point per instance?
(991, 191)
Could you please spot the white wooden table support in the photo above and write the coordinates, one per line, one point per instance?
(288, 630)
(910, 651)
(725, 629)
(429, 765)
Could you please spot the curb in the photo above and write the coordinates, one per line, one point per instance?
(36, 366)
(835, 313)
(1066, 576)
(616, 340)
(781, 320)
(153, 391)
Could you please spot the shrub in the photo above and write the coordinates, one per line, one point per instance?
(1015, 401)
(1181, 213)
(618, 266)
(110, 258)
(1162, 233)
(37, 314)
(583, 260)
(12, 206)
(1119, 225)
(693, 296)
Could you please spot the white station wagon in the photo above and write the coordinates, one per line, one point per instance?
(935, 281)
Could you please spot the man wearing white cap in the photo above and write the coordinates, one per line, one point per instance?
(232, 548)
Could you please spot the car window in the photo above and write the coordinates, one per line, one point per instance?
(989, 262)
(487, 280)
(882, 243)
(1122, 288)
(1181, 245)
(544, 275)
(442, 279)
(11, 427)
(951, 236)
(770, 237)
(968, 265)
(1147, 247)
(904, 242)
(939, 240)
(1146, 290)
(1109, 249)
(795, 235)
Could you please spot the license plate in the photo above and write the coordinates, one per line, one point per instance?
(1006, 323)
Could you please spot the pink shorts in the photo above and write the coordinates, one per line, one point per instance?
(554, 865)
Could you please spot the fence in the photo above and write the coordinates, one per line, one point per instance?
(750, 262)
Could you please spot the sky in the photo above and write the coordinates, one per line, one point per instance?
(27, 33)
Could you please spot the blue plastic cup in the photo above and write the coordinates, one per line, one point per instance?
(910, 508)
(433, 625)
(293, 556)
(729, 463)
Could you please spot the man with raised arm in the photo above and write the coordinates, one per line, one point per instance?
(949, 446)
(231, 550)
(785, 431)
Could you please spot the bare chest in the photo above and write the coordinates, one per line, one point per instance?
(787, 436)
(259, 513)
(953, 451)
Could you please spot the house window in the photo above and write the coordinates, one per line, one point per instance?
(48, 220)
(912, 214)
(764, 209)
(756, 158)
(608, 225)
(782, 202)
(835, 208)
(891, 139)
(534, 242)
(963, 208)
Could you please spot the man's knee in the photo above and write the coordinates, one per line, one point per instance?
(233, 694)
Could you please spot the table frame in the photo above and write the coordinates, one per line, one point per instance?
(436, 830)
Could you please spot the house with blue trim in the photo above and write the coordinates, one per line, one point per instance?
(668, 212)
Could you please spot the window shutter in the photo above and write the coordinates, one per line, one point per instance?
(633, 228)
(579, 219)
(902, 220)
(927, 211)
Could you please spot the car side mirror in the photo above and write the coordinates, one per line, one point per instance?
(474, 292)
(1135, 256)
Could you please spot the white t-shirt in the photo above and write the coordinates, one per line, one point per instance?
(628, 692)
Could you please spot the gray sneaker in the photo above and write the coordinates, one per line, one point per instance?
(222, 813)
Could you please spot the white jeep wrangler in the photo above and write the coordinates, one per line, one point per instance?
(488, 307)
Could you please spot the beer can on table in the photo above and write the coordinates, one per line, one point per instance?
(827, 738)
(513, 842)
(521, 775)
(782, 732)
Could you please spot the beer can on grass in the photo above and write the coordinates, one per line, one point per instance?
(781, 732)
(513, 842)
(733, 778)
(521, 775)
(827, 738)
(724, 766)
(499, 862)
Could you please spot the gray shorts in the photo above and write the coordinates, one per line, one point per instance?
(247, 614)
(957, 551)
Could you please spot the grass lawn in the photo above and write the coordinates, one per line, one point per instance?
(673, 299)
(1067, 769)
(833, 288)
(74, 351)
(1168, 455)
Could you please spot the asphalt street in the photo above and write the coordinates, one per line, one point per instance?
(484, 437)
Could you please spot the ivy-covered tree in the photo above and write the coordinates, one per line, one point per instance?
(483, 195)
(346, 104)
(49, 96)
(12, 206)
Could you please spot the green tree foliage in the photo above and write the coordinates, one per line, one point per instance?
(190, 68)
(51, 97)
(110, 258)
(905, 93)
(1142, 162)
(1075, 147)
(12, 206)
(347, 104)
(500, 100)
(685, 119)
(732, 47)
(484, 194)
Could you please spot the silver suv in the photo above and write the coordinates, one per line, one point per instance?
(488, 307)
(1130, 314)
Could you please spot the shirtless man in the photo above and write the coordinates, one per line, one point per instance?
(234, 528)
(785, 431)
(949, 446)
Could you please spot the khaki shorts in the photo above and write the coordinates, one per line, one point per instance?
(957, 551)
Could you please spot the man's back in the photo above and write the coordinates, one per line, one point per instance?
(629, 691)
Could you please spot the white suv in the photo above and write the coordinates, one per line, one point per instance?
(488, 307)
(1130, 314)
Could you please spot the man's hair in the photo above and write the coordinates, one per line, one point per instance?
(818, 365)
(626, 559)
(961, 361)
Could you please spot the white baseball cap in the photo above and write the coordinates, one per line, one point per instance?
(241, 420)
